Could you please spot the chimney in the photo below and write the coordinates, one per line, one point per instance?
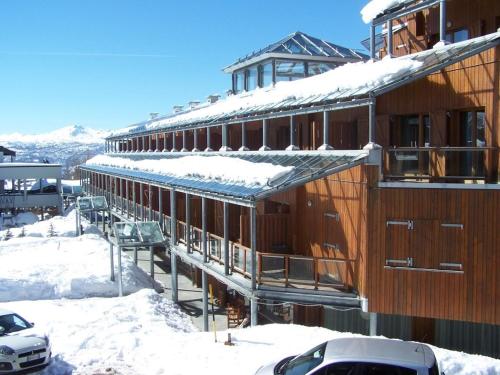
(193, 104)
(178, 108)
(213, 98)
(153, 115)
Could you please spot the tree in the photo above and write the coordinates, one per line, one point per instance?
(52, 232)
(22, 233)
(8, 235)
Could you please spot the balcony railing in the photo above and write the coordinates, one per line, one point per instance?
(436, 163)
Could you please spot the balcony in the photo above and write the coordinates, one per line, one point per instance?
(437, 164)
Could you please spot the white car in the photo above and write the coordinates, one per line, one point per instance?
(21, 347)
(359, 356)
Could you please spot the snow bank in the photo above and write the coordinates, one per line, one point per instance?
(144, 333)
(375, 7)
(25, 218)
(355, 76)
(218, 168)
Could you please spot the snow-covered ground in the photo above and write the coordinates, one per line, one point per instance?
(144, 332)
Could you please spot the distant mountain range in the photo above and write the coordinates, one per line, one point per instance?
(69, 146)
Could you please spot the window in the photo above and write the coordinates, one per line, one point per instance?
(457, 36)
(360, 368)
(305, 362)
(238, 78)
(314, 68)
(420, 24)
(289, 70)
(265, 74)
(251, 78)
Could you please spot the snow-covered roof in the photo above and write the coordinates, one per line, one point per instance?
(344, 84)
(376, 8)
(241, 176)
(299, 45)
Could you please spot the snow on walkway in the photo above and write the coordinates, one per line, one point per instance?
(144, 333)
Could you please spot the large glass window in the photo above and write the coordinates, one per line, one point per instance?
(251, 78)
(457, 36)
(314, 68)
(306, 362)
(238, 80)
(289, 70)
(472, 135)
(266, 74)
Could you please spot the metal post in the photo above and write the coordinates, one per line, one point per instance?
(164, 142)
(150, 202)
(127, 192)
(111, 260)
(243, 138)
(326, 132)
(372, 42)
(292, 146)
(372, 122)
(134, 200)
(173, 143)
(226, 238)
(253, 245)
(121, 195)
(143, 143)
(389, 38)
(150, 141)
(253, 311)
(208, 140)
(160, 207)
(442, 20)
(224, 146)
(195, 140)
(156, 146)
(204, 284)
(188, 223)
(204, 229)
(373, 324)
(264, 136)
(173, 218)
(77, 224)
(152, 262)
(141, 200)
(184, 149)
(120, 283)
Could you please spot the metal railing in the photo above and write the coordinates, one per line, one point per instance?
(436, 163)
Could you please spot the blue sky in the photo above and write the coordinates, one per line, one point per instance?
(108, 63)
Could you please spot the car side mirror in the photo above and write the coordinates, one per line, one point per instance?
(33, 324)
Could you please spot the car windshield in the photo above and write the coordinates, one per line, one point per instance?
(13, 323)
(305, 362)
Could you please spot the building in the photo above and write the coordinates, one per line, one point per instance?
(382, 215)
(24, 186)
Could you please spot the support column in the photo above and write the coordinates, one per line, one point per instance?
(127, 201)
(253, 311)
(173, 257)
(373, 324)
(243, 139)
(120, 283)
(165, 142)
(160, 208)
(150, 202)
(184, 149)
(143, 143)
(204, 283)
(156, 146)
(442, 21)
(195, 140)
(112, 263)
(60, 198)
(390, 49)
(141, 200)
(226, 238)
(173, 143)
(208, 140)
(292, 146)
(372, 123)
(204, 245)
(326, 132)
(253, 245)
(188, 223)
(264, 136)
(134, 200)
(224, 147)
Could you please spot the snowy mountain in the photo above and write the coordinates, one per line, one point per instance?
(69, 146)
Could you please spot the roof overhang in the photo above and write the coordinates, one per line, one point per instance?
(308, 166)
(403, 10)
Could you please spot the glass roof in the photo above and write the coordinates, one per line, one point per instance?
(97, 203)
(138, 234)
(308, 166)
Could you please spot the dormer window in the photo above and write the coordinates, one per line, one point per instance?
(266, 74)
(289, 70)
(251, 78)
(238, 82)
